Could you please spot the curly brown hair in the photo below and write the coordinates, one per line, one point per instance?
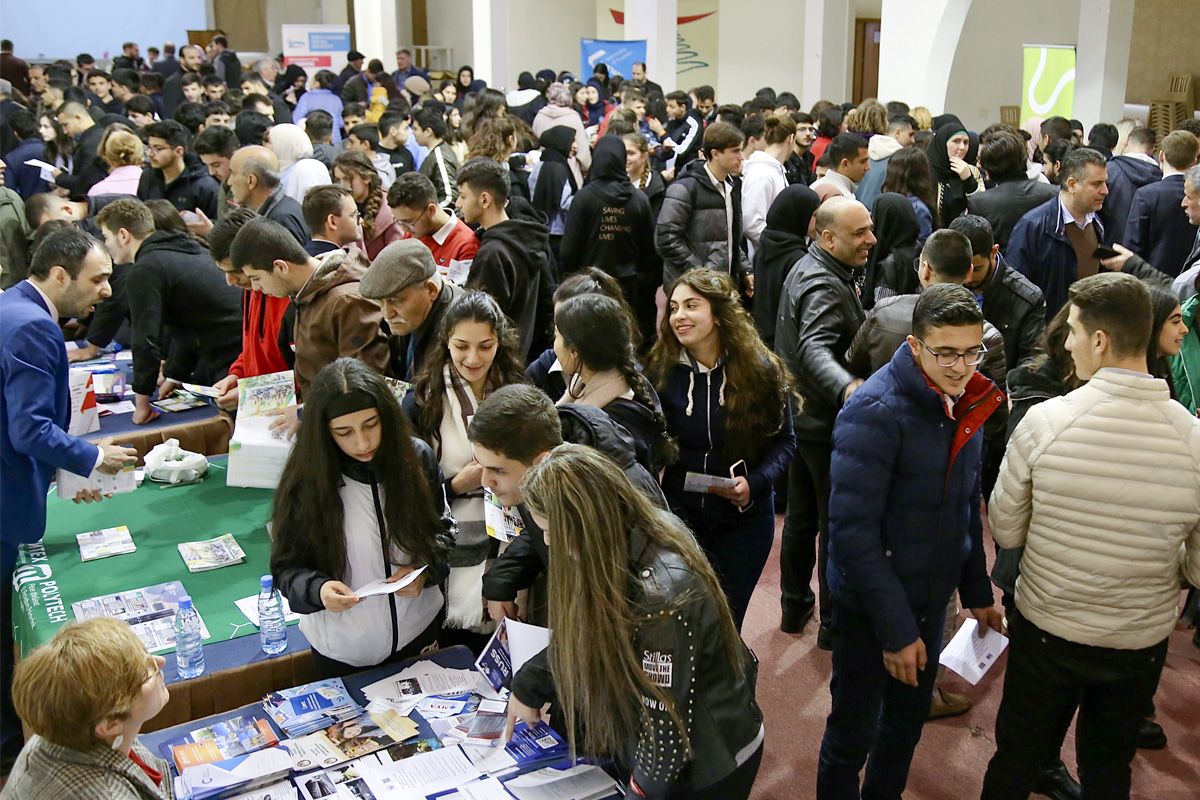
(491, 139)
(355, 161)
(759, 387)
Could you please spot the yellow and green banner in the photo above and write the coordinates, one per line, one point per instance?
(1048, 83)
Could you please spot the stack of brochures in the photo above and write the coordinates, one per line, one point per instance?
(211, 554)
(220, 741)
(256, 455)
(105, 543)
(232, 777)
(309, 708)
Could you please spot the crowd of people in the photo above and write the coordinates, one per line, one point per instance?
(635, 319)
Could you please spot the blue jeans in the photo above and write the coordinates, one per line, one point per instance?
(876, 720)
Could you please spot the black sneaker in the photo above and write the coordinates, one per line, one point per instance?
(1057, 784)
(794, 623)
(1151, 736)
(825, 637)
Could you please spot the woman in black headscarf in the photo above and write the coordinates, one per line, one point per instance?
(553, 184)
(597, 104)
(948, 156)
(610, 227)
(890, 267)
(784, 241)
(290, 85)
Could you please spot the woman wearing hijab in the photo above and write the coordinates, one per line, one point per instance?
(552, 184)
(290, 85)
(952, 171)
(598, 104)
(610, 227)
(890, 266)
(466, 84)
(298, 170)
(784, 242)
(560, 112)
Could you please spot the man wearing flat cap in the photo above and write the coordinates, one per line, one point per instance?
(413, 296)
(354, 63)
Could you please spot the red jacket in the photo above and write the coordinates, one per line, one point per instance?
(262, 317)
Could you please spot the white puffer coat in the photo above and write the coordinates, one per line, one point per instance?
(1102, 486)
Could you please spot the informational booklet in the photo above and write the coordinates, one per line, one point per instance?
(699, 482)
(970, 655)
(399, 388)
(201, 391)
(311, 707)
(211, 553)
(104, 543)
(350, 739)
(258, 454)
(231, 776)
(533, 743)
(282, 790)
(502, 523)
(180, 401)
(150, 612)
(249, 607)
(580, 782)
(381, 586)
(222, 740)
(68, 484)
(421, 775)
(495, 662)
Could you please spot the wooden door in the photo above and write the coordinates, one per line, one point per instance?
(866, 59)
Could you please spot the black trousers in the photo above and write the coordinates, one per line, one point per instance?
(1045, 675)
(805, 530)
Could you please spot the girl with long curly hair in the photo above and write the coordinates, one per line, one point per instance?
(728, 401)
(645, 665)
(353, 169)
(359, 501)
(477, 352)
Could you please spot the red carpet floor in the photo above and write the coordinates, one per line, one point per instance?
(793, 691)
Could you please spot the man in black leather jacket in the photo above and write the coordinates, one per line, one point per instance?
(819, 314)
(526, 415)
(1011, 302)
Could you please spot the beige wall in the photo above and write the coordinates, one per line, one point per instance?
(1166, 39)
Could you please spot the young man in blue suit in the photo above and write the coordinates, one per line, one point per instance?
(68, 276)
(902, 539)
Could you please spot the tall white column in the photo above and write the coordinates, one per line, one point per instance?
(826, 55)
(375, 30)
(917, 43)
(1102, 60)
(655, 21)
(489, 20)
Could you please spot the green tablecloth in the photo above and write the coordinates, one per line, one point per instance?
(51, 576)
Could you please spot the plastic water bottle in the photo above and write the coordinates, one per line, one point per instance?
(189, 648)
(272, 630)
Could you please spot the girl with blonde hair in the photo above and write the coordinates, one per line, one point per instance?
(123, 153)
(645, 665)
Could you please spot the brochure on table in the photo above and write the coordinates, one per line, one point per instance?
(150, 612)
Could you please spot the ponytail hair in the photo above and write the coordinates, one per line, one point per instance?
(777, 128)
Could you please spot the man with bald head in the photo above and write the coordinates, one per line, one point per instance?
(819, 313)
(254, 184)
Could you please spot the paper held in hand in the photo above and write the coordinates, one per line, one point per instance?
(699, 482)
(381, 586)
(970, 656)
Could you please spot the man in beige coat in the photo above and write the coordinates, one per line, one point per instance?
(1102, 487)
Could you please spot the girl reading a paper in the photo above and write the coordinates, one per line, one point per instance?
(644, 665)
(360, 500)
